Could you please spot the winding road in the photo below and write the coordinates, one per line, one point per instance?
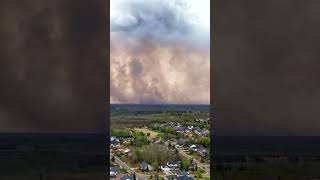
(139, 176)
(206, 167)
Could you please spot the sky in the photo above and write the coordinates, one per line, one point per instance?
(160, 51)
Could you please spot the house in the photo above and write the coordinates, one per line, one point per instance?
(171, 123)
(126, 151)
(165, 168)
(114, 171)
(197, 128)
(188, 134)
(180, 173)
(170, 177)
(179, 129)
(114, 142)
(126, 178)
(193, 147)
(190, 127)
(202, 120)
(113, 138)
(205, 133)
(172, 164)
(120, 148)
(127, 140)
(185, 177)
(202, 151)
(144, 166)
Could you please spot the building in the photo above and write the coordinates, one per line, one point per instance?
(172, 164)
(184, 178)
(193, 148)
(203, 152)
(170, 177)
(165, 168)
(180, 173)
(113, 171)
(126, 178)
(144, 166)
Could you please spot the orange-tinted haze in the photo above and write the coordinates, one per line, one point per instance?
(146, 71)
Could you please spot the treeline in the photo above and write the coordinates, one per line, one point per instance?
(140, 139)
(120, 132)
(155, 154)
(204, 141)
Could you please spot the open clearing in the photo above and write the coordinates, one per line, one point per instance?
(153, 134)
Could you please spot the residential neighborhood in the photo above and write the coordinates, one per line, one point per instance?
(171, 150)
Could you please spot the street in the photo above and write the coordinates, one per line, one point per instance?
(206, 167)
(127, 167)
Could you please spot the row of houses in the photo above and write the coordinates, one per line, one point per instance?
(172, 168)
(116, 174)
(117, 141)
(188, 130)
(202, 120)
(176, 174)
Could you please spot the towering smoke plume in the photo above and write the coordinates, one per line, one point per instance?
(159, 53)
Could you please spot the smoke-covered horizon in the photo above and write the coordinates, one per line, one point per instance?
(160, 53)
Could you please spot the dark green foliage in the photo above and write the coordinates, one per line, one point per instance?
(120, 132)
(204, 141)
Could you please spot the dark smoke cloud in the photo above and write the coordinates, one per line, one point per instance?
(155, 47)
(158, 20)
(136, 67)
(266, 67)
(159, 74)
(51, 69)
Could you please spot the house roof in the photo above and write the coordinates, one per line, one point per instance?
(171, 176)
(181, 173)
(202, 150)
(114, 142)
(179, 128)
(184, 177)
(172, 163)
(191, 165)
(126, 178)
(144, 165)
(114, 169)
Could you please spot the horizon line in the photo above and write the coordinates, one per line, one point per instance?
(156, 104)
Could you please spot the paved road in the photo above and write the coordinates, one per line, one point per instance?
(140, 176)
(206, 167)
(127, 167)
